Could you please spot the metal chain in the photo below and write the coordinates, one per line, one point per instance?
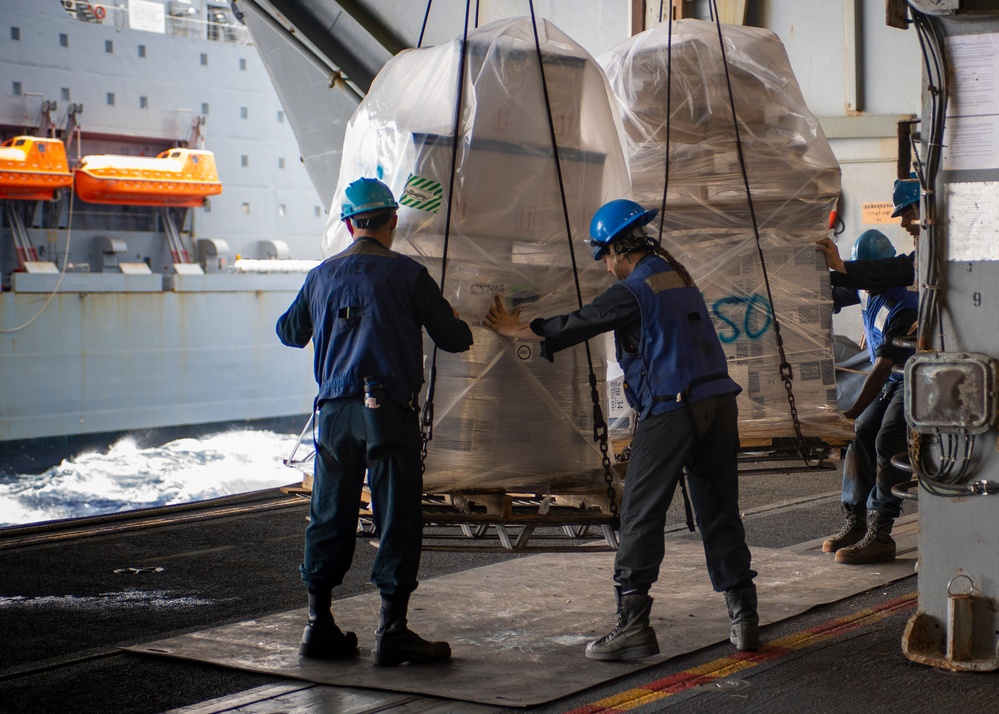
(426, 433)
(609, 478)
(785, 367)
(599, 425)
(787, 378)
(600, 434)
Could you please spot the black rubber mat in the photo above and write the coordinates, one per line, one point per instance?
(518, 629)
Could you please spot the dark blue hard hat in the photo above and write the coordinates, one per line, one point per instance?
(904, 194)
(872, 245)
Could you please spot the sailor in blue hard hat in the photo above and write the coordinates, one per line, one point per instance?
(872, 245)
(867, 502)
(905, 204)
(364, 311)
(373, 199)
(889, 271)
(676, 379)
(620, 219)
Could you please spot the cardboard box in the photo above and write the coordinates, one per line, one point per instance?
(509, 190)
(509, 99)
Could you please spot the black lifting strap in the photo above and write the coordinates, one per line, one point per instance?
(688, 512)
(785, 367)
(427, 418)
(599, 424)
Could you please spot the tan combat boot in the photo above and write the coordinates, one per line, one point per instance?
(877, 545)
(853, 531)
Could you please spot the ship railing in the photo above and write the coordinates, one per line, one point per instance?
(219, 26)
(250, 265)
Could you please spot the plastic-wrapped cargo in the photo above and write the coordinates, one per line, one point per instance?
(504, 418)
(795, 182)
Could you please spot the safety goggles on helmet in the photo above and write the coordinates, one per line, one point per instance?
(632, 235)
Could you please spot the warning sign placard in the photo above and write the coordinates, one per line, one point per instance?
(876, 213)
(422, 194)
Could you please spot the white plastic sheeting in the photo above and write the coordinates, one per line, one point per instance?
(504, 418)
(794, 179)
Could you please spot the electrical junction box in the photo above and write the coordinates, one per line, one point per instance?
(950, 392)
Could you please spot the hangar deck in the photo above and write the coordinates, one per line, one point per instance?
(74, 597)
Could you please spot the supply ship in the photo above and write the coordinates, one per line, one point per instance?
(155, 219)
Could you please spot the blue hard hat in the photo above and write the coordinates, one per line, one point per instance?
(872, 245)
(366, 194)
(904, 194)
(614, 218)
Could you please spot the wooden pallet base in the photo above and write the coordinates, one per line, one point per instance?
(484, 522)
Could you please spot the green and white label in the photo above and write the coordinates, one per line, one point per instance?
(422, 194)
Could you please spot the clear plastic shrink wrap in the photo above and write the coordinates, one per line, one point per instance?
(504, 418)
(794, 179)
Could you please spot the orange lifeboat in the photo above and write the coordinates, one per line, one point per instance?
(177, 177)
(33, 168)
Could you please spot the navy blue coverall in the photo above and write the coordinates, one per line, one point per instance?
(668, 347)
(364, 310)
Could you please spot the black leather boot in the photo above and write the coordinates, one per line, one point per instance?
(633, 637)
(322, 638)
(745, 633)
(852, 532)
(395, 643)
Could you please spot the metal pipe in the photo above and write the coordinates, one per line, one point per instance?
(853, 55)
(315, 23)
(321, 61)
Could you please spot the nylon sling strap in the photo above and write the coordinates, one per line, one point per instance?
(600, 428)
(427, 418)
(786, 375)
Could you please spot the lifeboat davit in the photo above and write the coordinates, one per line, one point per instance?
(176, 177)
(33, 168)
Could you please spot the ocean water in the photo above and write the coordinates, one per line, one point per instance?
(127, 477)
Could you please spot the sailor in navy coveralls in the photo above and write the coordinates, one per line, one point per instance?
(677, 381)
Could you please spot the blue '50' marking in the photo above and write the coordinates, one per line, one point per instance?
(754, 309)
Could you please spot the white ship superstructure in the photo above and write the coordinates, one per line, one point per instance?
(134, 317)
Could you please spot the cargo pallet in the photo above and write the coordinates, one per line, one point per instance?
(581, 520)
(570, 523)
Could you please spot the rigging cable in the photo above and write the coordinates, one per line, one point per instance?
(423, 28)
(931, 45)
(669, 115)
(600, 428)
(427, 418)
(947, 477)
(687, 509)
(786, 374)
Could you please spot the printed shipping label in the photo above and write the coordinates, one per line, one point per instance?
(422, 194)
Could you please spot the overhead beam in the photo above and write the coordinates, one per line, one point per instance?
(319, 21)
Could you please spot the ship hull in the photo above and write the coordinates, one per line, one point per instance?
(128, 353)
(158, 354)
